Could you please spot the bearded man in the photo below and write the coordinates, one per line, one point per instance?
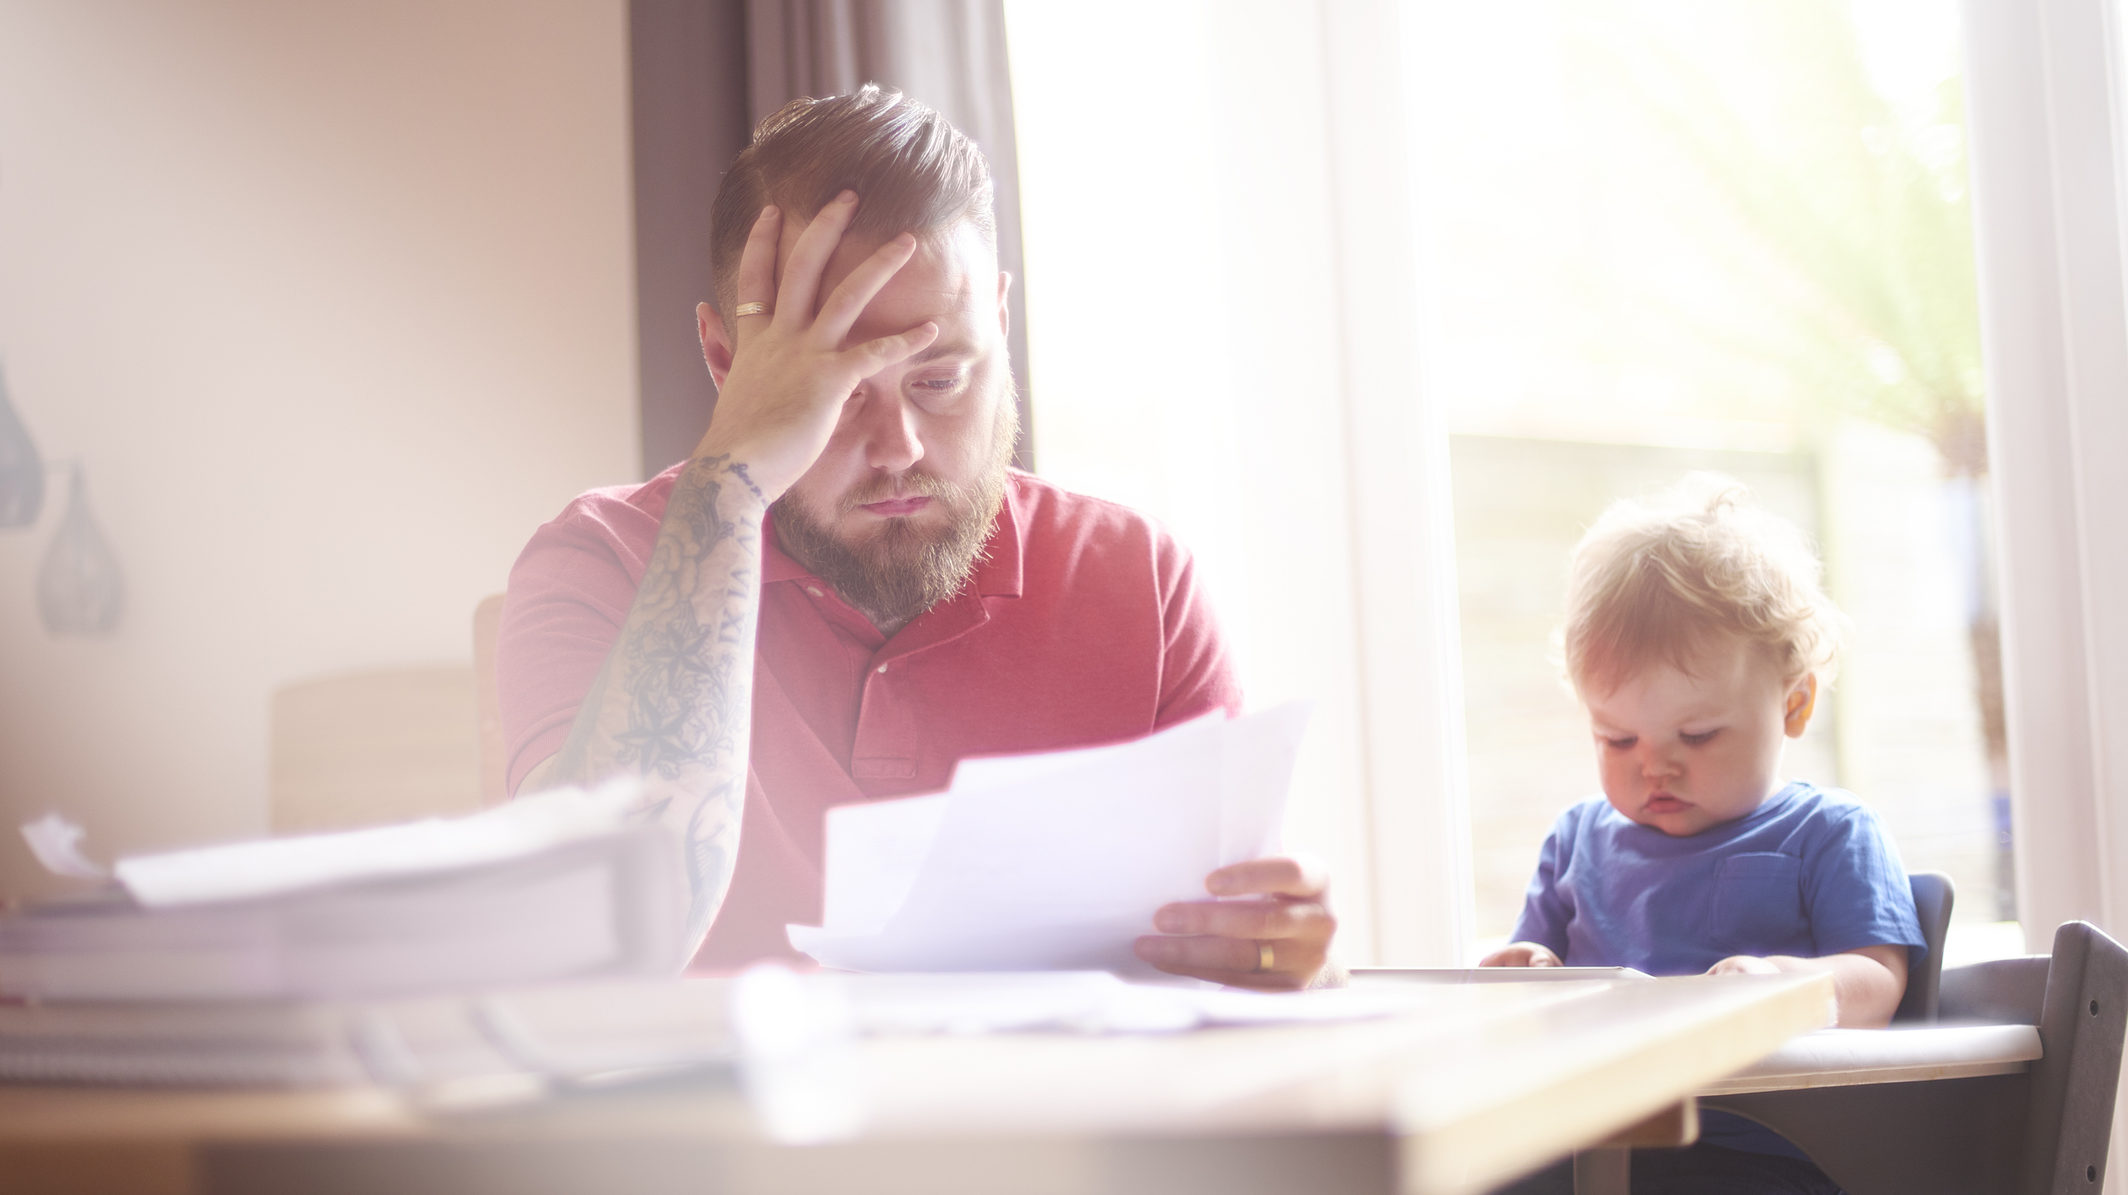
(846, 588)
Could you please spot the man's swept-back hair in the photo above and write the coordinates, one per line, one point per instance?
(1660, 579)
(912, 171)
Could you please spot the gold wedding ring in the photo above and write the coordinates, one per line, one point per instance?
(1263, 957)
(745, 309)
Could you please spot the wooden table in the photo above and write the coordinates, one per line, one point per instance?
(1477, 1083)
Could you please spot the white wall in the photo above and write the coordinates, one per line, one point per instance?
(335, 303)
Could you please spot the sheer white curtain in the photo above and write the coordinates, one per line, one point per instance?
(1217, 204)
(2044, 97)
(2045, 90)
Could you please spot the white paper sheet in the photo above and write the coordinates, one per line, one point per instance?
(873, 857)
(1052, 861)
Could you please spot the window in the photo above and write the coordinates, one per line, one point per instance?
(1650, 237)
(1674, 236)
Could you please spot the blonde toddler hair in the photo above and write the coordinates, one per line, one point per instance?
(1662, 579)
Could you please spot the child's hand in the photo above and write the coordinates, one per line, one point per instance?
(1744, 964)
(1866, 982)
(1521, 954)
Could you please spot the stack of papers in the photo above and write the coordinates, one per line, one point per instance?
(553, 1035)
(1052, 862)
(557, 885)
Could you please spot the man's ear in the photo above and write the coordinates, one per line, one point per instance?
(1797, 707)
(716, 342)
(1004, 308)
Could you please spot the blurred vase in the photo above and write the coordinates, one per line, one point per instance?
(21, 469)
(80, 590)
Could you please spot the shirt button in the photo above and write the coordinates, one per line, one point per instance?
(881, 668)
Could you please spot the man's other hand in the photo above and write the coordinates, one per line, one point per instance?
(1272, 930)
(1522, 954)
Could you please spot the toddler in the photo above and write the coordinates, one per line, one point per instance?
(1698, 640)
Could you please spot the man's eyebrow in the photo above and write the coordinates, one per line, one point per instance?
(945, 348)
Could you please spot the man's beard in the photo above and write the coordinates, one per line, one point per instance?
(902, 569)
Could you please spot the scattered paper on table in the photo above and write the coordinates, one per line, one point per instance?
(56, 842)
(1087, 1002)
(1053, 861)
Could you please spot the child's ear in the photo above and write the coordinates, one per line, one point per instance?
(1796, 708)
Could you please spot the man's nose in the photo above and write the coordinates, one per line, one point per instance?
(887, 424)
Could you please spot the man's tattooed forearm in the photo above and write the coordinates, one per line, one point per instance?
(672, 702)
(709, 832)
(684, 678)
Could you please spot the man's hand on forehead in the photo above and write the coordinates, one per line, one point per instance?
(790, 368)
(849, 250)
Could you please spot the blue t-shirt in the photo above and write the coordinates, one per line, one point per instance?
(1808, 873)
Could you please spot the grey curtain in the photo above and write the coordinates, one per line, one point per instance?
(704, 72)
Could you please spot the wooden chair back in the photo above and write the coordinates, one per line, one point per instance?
(487, 626)
(367, 748)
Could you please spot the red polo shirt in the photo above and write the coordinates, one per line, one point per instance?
(1084, 625)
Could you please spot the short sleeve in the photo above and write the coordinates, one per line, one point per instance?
(1546, 912)
(1855, 887)
(568, 598)
(1197, 671)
